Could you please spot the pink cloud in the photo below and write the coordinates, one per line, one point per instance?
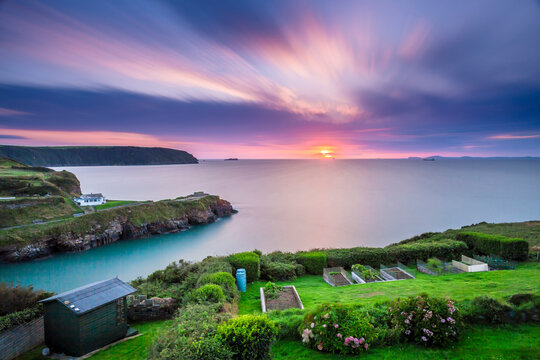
(513, 137)
(9, 112)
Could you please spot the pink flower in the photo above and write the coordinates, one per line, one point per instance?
(443, 321)
(407, 321)
(336, 326)
(339, 335)
(362, 340)
(324, 325)
(407, 332)
(320, 347)
(424, 338)
(326, 316)
(366, 346)
(312, 325)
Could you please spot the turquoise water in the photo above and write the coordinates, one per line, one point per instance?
(292, 205)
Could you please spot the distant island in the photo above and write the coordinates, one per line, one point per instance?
(95, 155)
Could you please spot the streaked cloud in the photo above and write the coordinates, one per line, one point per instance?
(282, 77)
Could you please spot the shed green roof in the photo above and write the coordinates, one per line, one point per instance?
(86, 298)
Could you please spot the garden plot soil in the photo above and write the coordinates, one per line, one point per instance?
(285, 300)
(339, 280)
(397, 273)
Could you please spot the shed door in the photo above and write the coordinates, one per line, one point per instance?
(120, 311)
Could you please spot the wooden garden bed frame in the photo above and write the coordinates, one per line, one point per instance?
(360, 280)
(399, 268)
(328, 278)
(299, 302)
(468, 264)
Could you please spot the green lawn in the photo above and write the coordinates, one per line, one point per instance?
(498, 284)
(133, 349)
(511, 342)
(113, 203)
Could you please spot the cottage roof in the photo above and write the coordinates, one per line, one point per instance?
(99, 195)
(86, 298)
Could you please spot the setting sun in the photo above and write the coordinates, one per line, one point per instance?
(326, 153)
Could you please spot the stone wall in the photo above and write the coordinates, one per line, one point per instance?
(20, 339)
(142, 309)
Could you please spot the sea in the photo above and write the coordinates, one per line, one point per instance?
(292, 205)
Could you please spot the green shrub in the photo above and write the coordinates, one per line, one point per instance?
(248, 336)
(484, 310)
(17, 298)
(507, 248)
(213, 264)
(425, 320)
(20, 317)
(276, 271)
(258, 252)
(249, 261)
(191, 336)
(271, 290)
(288, 322)
(282, 257)
(209, 293)
(314, 261)
(336, 328)
(300, 270)
(223, 279)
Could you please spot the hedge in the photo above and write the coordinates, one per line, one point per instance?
(485, 244)
(223, 279)
(277, 271)
(406, 253)
(249, 261)
(20, 317)
(248, 336)
(314, 261)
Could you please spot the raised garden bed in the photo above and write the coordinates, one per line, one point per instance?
(361, 278)
(468, 264)
(496, 262)
(288, 298)
(336, 276)
(440, 268)
(397, 272)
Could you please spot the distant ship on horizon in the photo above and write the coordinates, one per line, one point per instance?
(231, 159)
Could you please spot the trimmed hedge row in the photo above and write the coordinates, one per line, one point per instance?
(249, 261)
(314, 261)
(505, 247)
(407, 253)
(20, 317)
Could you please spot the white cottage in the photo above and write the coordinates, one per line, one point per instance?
(90, 199)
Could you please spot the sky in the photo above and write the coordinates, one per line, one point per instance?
(274, 79)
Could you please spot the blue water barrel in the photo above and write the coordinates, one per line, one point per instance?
(241, 280)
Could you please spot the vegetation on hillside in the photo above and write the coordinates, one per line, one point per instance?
(95, 155)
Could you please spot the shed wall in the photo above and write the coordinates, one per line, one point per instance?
(103, 326)
(61, 328)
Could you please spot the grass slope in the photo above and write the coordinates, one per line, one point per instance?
(480, 343)
(113, 203)
(498, 284)
(145, 213)
(25, 210)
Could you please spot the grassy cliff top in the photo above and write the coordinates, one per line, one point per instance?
(17, 179)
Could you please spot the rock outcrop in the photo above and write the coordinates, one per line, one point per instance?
(121, 227)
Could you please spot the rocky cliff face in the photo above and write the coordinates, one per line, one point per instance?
(119, 229)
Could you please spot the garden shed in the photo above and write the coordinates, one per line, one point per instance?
(87, 318)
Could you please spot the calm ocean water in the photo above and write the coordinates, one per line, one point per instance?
(295, 204)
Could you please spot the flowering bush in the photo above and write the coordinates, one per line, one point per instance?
(426, 320)
(339, 329)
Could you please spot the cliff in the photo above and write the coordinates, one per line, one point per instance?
(95, 155)
(105, 227)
